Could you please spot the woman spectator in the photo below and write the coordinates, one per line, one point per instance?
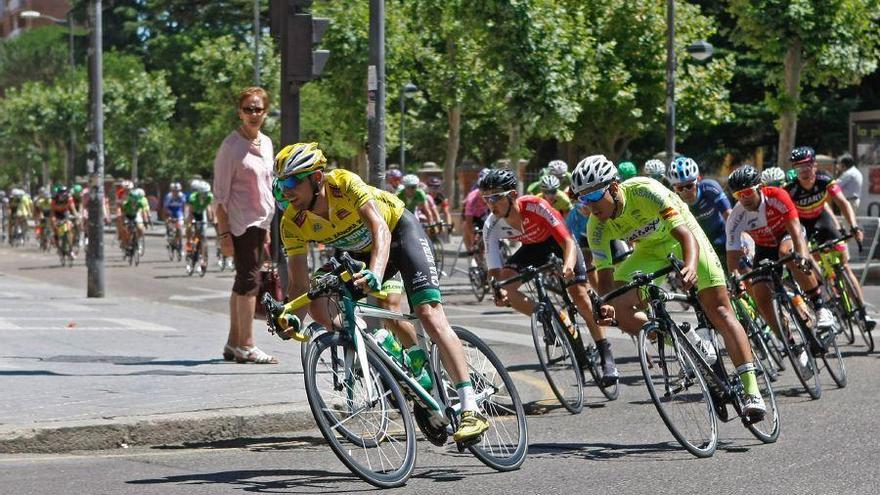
(245, 206)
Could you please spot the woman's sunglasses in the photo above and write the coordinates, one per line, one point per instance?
(253, 110)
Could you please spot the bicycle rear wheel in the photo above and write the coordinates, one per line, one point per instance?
(590, 358)
(678, 391)
(374, 437)
(557, 359)
(794, 341)
(477, 279)
(857, 312)
(505, 444)
(832, 358)
(439, 261)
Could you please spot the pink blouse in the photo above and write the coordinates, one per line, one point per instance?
(243, 182)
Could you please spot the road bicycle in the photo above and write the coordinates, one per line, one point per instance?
(844, 291)
(134, 249)
(173, 240)
(65, 241)
(765, 345)
(434, 230)
(194, 258)
(364, 400)
(690, 394)
(557, 332)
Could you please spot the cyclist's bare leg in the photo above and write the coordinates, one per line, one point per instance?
(436, 325)
(403, 330)
(716, 304)
(519, 301)
(581, 299)
(629, 319)
(762, 294)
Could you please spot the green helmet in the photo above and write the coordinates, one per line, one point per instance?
(57, 187)
(627, 170)
(791, 175)
(77, 189)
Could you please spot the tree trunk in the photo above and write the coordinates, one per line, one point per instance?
(452, 143)
(790, 100)
(513, 146)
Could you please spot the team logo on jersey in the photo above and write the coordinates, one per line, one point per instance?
(300, 218)
(335, 191)
(317, 227)
(667, 213)
(342, 213)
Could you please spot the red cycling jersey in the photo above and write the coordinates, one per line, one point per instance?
(766, 225)
(539, 221)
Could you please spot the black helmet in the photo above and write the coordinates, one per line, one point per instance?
(846, 160)
(502, 178)
(802, 154)
(743, 178)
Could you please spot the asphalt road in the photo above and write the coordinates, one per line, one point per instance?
(826, 446)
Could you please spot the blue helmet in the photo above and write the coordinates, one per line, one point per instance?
(682, 170)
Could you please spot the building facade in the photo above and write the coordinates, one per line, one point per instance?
(12, 23)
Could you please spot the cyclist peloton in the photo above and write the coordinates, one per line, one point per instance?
(550, 192)
(811, 192)
(540, 228)
(135, 208)
(63, 207)
(441, 202)
(21, 208)
(556, 168)
(338, 209)
(769, 216)
(705, 199)
(652, 218)
(415, 199)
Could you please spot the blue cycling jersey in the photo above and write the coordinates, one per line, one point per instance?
(577, 225)
(174, 205)
(709, 210)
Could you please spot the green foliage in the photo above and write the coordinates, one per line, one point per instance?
(35, 55)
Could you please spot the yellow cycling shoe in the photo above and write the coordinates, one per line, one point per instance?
(471, 425)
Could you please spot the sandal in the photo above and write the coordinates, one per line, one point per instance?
(228, 353)
(253, 355)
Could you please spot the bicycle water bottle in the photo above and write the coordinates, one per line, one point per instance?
(387, 341)
(566, 321)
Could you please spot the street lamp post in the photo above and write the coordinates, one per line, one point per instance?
(256, 42)
(701, 50)
(409, 89)
(71, 151)
(95, 254)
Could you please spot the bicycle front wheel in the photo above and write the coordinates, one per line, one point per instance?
(505, 444)
(794, 340)
(373, 436)
(857, 311)
(557, 359)
(678, 391)
(766, 430)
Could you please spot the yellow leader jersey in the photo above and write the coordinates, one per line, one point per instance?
(343, 229)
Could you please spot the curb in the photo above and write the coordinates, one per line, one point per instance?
(164, 429)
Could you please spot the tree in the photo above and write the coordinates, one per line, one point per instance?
(833, 42)
(35, 55)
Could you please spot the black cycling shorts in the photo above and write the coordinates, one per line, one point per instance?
(822, 228)
(539, 253)
(413, 257)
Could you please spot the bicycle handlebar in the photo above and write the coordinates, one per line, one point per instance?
(831, 243)
(766, 265)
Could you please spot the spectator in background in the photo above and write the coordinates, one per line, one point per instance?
(850, 180)
(245, 207)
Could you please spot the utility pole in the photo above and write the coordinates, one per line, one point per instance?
(670, 81)
(376, 94)
(95, 252)
(256, 42)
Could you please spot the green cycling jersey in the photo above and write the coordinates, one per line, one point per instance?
(417, 199)
(200, 201)
(648, 214)
(132, 207)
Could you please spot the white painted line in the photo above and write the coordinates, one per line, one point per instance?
(47, 323)
(5, 324)
(139, 324)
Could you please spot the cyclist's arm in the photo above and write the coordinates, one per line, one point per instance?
(793, 227)
(845, 208)
(433, 215)
(569, 254)
(690, 250)
(733, 258)
(298, 280)
(606, 280)
(726, 214)
(467, 230)
(446, 213)
(374, 221)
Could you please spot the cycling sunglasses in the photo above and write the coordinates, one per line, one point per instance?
(745, 193)
(494, 198)
(686, 187)
(592, 197)
(291, 182)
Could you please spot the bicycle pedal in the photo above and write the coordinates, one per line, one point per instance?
(464, 444)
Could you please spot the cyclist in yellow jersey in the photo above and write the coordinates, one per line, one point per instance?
(642, 211)
(337, 208)
(550, 185)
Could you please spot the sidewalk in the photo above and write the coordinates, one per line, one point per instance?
(83, 373)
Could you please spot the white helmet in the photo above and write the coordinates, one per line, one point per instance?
(410, 180)
(557, 168)
(682, 170)
(204, 186)
(18, 193)
(550, 183)
(591, 173)
(655, 168)
(772, 176)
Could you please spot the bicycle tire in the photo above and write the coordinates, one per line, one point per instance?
(439, 261)
(557, 359)
(766, 430)
(832, 358)
(791, 328)
(856, 313)
(760, 350)
(590, 359)
(499, 449)
(478, 285)
(325, 413)
(701, 437)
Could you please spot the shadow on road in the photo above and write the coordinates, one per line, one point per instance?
(264, 480)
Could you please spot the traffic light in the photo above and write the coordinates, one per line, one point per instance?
(299, 34)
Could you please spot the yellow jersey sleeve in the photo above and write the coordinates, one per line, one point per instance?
(293, 243)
